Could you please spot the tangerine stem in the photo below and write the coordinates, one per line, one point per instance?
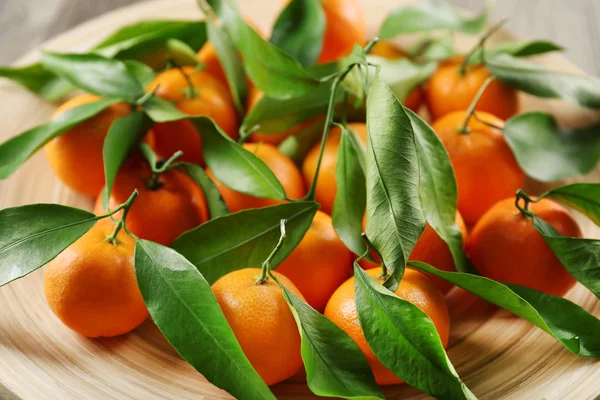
(521, 195)
(485, 122)
(480, 45)
(266, 265)
(153, 183)
(471, 110)
(384, 271)
(190, 90)
(112, 238)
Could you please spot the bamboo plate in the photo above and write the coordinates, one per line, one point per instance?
(497, 354)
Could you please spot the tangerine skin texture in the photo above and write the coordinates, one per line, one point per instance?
(211, 99)
(505, 247)
(415, 287)
(485, 168)
(345, 26)
(447, 91)
(76, 156)
(282, 166)
(326, 184)
(91, 286)
(159, 215)
(431, 249)
(262, 322)
(319, 264)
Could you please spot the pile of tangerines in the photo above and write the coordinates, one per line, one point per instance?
(91, 286)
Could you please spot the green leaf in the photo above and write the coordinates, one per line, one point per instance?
(568, 323)
(351, 197)
(160, 110)
(547, 153)
(95, 74)
(299, 30)
(395, 219)
(231, 64)
(581, 257)
(405, 340)
(244, 239)
(335, 366)
(530, 78)
(437, 49)
(423, 17)
(185, 310)
(273, 71)
(515, 49)
(403, 75)
(275, 115)
(39, 80)
(123, 135)
(584, 197)
(298, 145)
(234, 166)
(33, 235)
(18, 149)
(215, 203)
(143, 73)
(437, 190)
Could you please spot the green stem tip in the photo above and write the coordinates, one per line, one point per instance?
(266, 265)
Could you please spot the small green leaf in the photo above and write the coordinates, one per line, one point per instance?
(244, 239)
(143, 73)
(584, 197)
(581, 257)
(515, 49)
(351, 196)
(231, 64)
(274, 72)
(437, 49)
(185, 310)
(405, 340)
(298, 145)
(547, 153)
(215, 203)
(437, 190)
(335, 366)
(423, 17)
(530, 78)
(39, 80)
(33, 235)
(403, 75)
(234, 166)
(299, 30)
(160, 110)
(18, 149)
(123, 135)
(568, 323)
(95, 74)
(395, 219)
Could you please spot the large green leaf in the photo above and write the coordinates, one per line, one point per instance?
(244, 239)
(584, 197)
(299, 30)
(273, 71)
(515, 49)
(568, 323)
(335, 366)
(39, 80)
(185, 310)
(405, 340)
(234, 166)
(403, 75)
(123, 135)
(95, 74)
(215, 203)
(33, 235)
(422, 17)
(437, 190)
(530, 78)
(581, 257)
(351, 196)
(18, 149)
(395, 219)
(547, 153)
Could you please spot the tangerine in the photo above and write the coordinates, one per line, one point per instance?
(504, 246)
(415, 287)
(345, 27)
(262, 322)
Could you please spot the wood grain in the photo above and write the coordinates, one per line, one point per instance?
(498, 355)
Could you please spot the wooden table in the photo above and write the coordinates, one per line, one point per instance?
(574, 24)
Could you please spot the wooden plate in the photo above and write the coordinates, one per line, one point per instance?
(497, 354)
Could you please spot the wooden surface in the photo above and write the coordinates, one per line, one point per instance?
(574, 24)
(498, 355)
